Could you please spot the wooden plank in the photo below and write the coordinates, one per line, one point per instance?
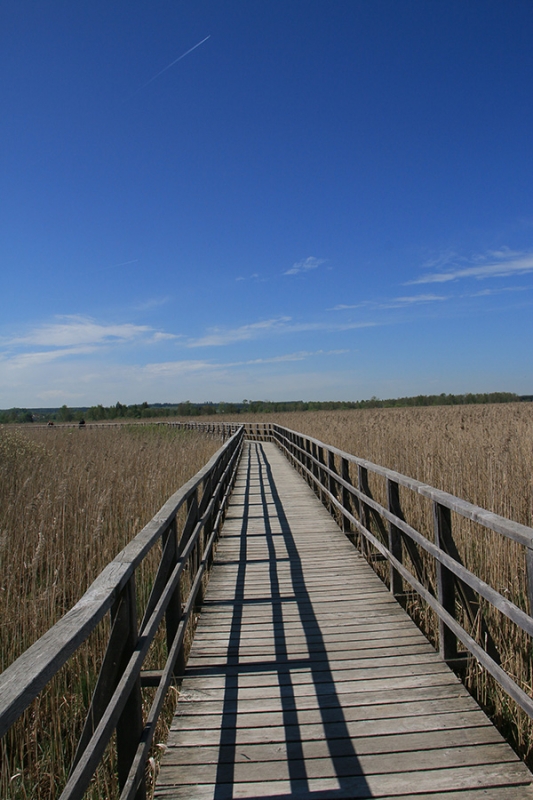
(367, 786)
(200, 702)
(345, 729)
(449, 758)
(271, 752)
(271, 717)
(463, 784)
(307, 679)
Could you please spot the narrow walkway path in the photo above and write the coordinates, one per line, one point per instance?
(306, 679)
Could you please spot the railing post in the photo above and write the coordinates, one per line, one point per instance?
(364, 511)
(188, 528)
(442, 522)
(122, 641)
(395, 538)
(316, 470)
(529, 567)
(322, 476)
(208, 487)
(321, 472)
(308, 461)
(130, 723)
(173, 612)
(332, 483)
(347, 498)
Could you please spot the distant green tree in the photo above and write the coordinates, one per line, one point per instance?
(97, 412)
(65, 414)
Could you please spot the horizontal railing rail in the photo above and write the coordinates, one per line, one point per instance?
(224, 429)
(187, 541)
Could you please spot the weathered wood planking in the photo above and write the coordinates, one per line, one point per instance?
(306, 679)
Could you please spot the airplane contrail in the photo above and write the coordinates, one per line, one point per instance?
(186, 53)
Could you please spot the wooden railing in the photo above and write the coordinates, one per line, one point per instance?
(342, 482)
(186, 542)
(224, 429)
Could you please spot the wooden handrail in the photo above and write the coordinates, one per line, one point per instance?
(116, 703)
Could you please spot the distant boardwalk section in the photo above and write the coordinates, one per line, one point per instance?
(307, 679)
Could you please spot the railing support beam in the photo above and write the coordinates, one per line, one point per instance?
(130, 723)
(395, 538)
(442, 524)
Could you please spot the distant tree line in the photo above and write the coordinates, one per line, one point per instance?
(151, 410)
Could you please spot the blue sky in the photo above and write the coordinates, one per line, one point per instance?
(264, 199)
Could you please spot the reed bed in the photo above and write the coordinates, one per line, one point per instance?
(70, 500)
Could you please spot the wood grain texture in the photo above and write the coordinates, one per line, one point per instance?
(306, 678)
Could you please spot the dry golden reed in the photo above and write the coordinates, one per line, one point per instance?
(70, 500)
(481, 453)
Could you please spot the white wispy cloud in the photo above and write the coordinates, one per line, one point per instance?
(440, 260)
(53, 394)
(175, 368)
(160, 336)
(404, 302)
(496, 264)
(279, 326)
(395, 302)
(327, 327)
(217, 337)
(153, 302)
(182, 367)
(24, 360)
(71, 335)
(350, 307)
(503, 290)
(275, 359)
(74, 330)
(253, 277)
(300, 356)
(305, 266)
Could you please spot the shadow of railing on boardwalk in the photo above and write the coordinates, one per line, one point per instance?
(346, 765)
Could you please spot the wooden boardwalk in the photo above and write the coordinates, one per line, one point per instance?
(306, 678)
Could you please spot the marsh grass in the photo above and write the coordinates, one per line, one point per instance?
(70, 500)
